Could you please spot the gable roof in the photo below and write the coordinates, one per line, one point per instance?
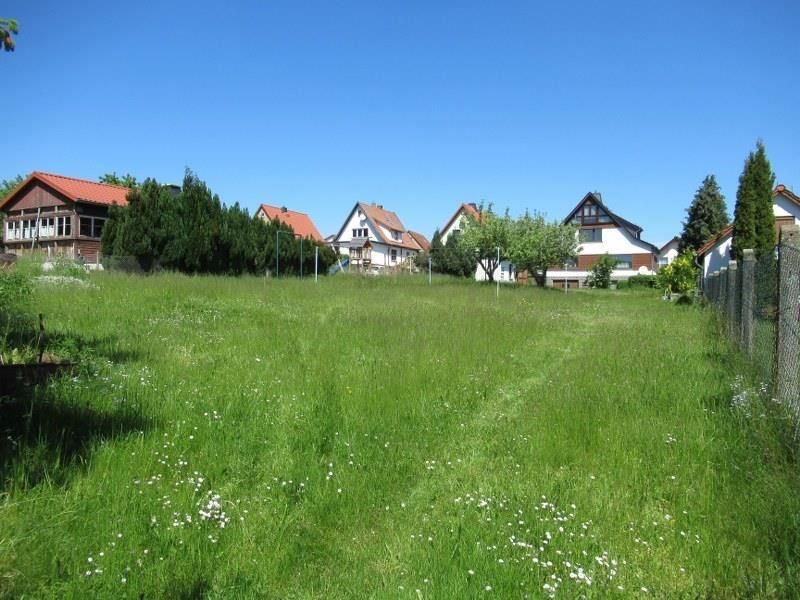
(468, 209)
(76, 190)
(380, 217)
(674, 240)
(595, 197)
(632, 228)
(784, 191)
(421, 240)
(780, 189)
(301, 223)
(726, 231)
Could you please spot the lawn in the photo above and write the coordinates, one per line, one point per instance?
(380, 437)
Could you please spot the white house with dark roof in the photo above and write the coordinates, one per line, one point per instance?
(668, 252)
(375, 240)
(716, 252)
(601, 232)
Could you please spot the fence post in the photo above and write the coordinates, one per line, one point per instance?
(730, 301)
(723, 291)
(788, 344)
(714, 287)
(748, 271)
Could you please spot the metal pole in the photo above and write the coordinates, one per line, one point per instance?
(316, 264)
(429, 270)
(498, 266)
(301, 258)
(277, 253)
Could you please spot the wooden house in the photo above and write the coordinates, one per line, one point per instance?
(59, 215)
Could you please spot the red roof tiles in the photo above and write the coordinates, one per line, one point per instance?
(467, 209)
(78, 190)
(300, 222)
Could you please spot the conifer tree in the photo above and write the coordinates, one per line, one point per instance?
(706, 216)
(754, 220)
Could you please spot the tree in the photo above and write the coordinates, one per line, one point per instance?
(486, 238)
(706, 216)
(680, 275)
(536, 245)
(8, 185)
(127, 180)
(754, 220)
(7, 27)
(600, 272)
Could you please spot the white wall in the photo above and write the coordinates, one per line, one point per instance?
(504, 272)
(615, 240)
(718, 256)
(454, 226)
(783, 207)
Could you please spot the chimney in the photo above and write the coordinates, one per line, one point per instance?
(284, 209)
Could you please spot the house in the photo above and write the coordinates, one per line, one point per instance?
(59, 215)
(668, 252)
(375, 240)
(601, 232)
(716, 252)
(504, 271)
(455, 224)
(300, 223)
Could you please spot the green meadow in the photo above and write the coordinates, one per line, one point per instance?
(383, 438)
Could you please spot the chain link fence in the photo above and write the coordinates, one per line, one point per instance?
(764, 317)
(759, 302)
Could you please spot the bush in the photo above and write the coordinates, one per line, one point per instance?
(680, 275)
(600, 272)
(15, 291)
(642, 281)
(623, 285)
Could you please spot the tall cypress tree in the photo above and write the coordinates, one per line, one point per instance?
(754, 220)
(706, 215)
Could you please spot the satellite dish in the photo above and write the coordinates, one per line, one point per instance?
(644, 270)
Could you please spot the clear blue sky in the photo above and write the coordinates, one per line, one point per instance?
(418, 106)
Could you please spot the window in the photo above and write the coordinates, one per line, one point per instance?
(394, 255)
(570, 264)
(63, 226)
(591, 235)
(91, 226)
(624, 261)
(360, 232)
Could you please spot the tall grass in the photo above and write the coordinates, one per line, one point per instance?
(385, 438)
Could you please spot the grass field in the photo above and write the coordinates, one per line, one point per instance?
(374, 438)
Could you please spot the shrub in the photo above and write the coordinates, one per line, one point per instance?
(680, 275)
(600, 272)
(642, 281)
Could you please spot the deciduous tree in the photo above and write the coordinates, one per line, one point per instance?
(486, 238)
(536, 245)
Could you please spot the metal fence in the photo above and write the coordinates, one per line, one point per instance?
(759, 302)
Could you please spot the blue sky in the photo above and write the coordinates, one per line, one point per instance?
(418, 106)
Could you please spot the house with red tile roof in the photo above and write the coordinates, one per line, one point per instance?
(716, 252)
(455, 223)
(504, 272)
(375, 240)
(59, 215)
(300, 223)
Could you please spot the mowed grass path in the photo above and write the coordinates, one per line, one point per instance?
(374, 438)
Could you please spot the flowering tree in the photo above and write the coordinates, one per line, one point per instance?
(536, 245)
(484, 236)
